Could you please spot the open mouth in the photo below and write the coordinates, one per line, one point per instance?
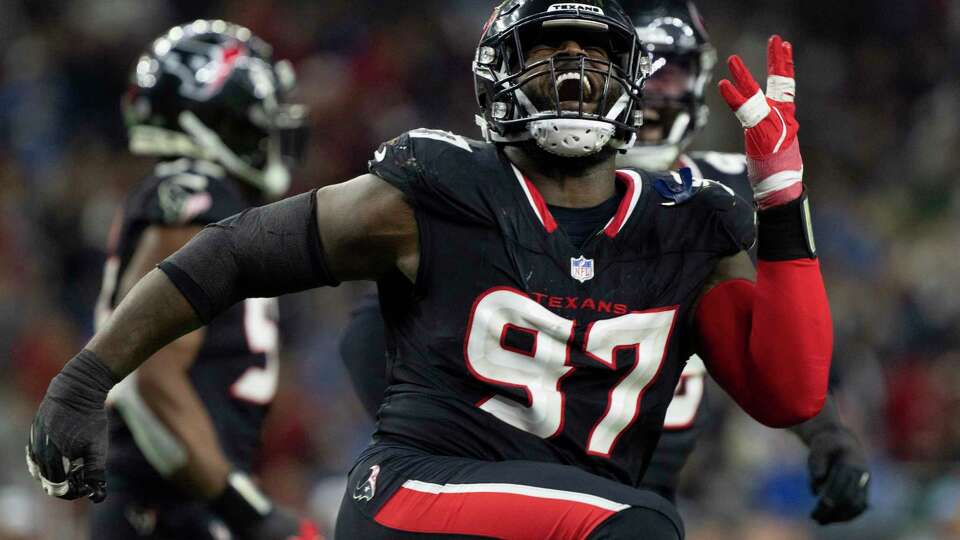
(571, 86)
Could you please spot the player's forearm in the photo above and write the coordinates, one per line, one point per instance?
(152, 315)
(203, 472)
(791, 340)
(769, 344)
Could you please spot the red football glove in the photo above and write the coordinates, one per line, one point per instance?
(774, 164)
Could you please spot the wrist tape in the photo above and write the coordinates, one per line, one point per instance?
(83, 383)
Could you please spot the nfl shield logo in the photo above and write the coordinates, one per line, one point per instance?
(581, 269)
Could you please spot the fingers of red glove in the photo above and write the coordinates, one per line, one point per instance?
(742, 78)
(731, 95)
(781, 85)
(788, 59)
(777, 58)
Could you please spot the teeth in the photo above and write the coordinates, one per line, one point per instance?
(573, 76)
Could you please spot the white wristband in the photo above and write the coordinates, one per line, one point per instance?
(753, 111)
(781, 89)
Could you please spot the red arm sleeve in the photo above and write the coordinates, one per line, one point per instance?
(769, 344)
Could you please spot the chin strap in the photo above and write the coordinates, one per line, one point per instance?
(569, 137)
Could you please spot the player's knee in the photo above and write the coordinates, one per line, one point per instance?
(637, 522)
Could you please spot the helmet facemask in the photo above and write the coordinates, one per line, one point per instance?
(571, 104)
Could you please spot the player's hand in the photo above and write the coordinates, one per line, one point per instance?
(283, 525)
(251, 515)
(838, 476)
(67, 446)
(773, 153)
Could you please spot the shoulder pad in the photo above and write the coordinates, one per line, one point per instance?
(438, 171)
(726, 221)
(185, 195)
(728, 169)
(736, 218)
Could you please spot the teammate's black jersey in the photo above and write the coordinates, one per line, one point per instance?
(685, 416)
(235, 372)
(514, 344)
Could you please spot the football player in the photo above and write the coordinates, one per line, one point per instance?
(208, 102)
(674, 111)
(534, 362)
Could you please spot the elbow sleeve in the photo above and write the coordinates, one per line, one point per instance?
(260, 253)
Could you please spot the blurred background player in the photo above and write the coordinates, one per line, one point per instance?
(208, 101)
(674, 111)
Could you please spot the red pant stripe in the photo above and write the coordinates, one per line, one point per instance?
(505, 511)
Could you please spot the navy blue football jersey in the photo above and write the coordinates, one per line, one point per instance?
(235, 372)
(687, 411)
(513, 344)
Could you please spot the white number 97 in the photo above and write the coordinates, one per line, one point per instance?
(539, 368)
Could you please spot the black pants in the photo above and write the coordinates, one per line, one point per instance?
(401, 493)
(127, 516)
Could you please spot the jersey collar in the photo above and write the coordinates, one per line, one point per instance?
(630, 180)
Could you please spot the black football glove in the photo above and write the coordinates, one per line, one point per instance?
(838, 476)
(67, 447)
(251, 515)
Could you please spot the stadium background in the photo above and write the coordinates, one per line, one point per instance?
(879, 102)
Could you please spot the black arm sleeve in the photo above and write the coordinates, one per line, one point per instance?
(260, 253)
(363, 348)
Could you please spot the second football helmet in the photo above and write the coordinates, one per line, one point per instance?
(673, 32)
(212, 90)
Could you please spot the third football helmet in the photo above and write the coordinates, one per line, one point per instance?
(683, 61)
(212, 90)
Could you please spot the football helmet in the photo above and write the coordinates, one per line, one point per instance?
(572, 105)
(683, 61)
(211, 90)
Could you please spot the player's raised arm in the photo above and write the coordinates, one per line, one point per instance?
(769, 343)
(361, 229)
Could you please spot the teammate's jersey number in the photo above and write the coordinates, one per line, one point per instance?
(256, 385)
(539, 368)
(259, 385)
(689, 394)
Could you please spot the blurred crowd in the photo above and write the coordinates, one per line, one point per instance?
(879, 106)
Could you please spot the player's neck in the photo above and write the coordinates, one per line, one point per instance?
(567, 182)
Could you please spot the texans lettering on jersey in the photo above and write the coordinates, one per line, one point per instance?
(235, 372)
(509, 345)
